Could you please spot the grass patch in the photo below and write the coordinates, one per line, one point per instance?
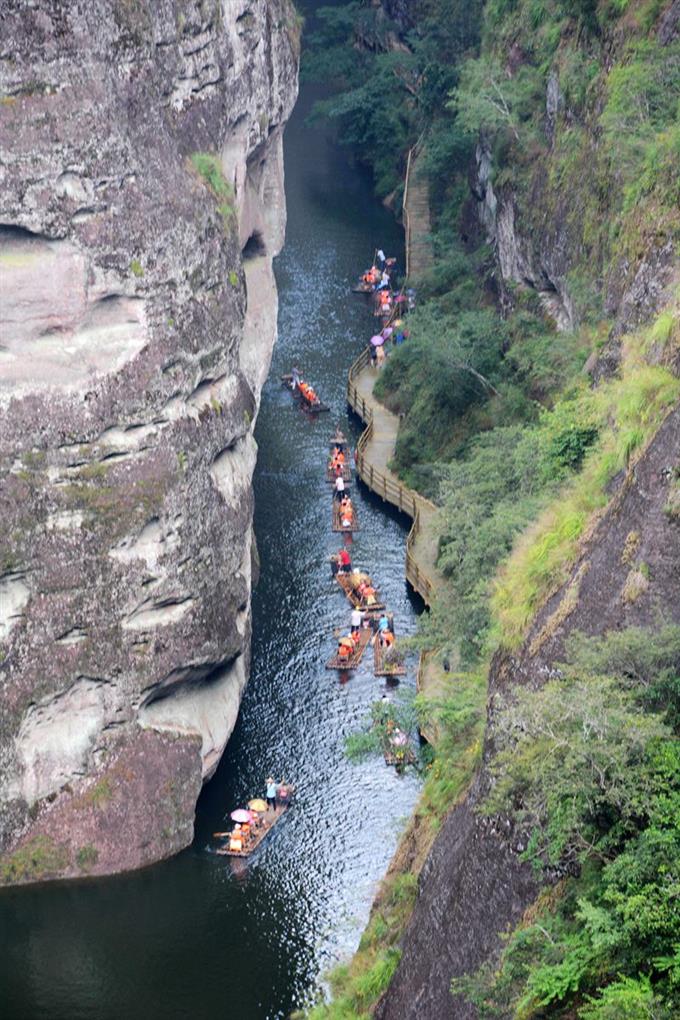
(629, 410)
(86, 857)
(208, 166)
(39, 859)
(100, 794)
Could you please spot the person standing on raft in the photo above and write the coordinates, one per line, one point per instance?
(271, 794)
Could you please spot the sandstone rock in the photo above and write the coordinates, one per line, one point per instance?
(133, 348)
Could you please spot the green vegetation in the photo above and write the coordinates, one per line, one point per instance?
(589, 767)
(209, 167)
(86, 857)
(100, 794)
(628, 410)
(136, 268)
(38, 859)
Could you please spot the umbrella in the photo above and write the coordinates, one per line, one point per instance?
(378, 340)
(347, 641)
(388, 331)
(241, 815)
(399, 739)
(257, 805)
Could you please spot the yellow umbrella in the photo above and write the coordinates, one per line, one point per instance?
(257, 805)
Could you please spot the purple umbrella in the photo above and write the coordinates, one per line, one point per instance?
(387, 332)
(378, 340)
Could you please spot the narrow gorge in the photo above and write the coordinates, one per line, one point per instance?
(141, 205)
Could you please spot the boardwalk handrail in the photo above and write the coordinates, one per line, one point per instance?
(412, 153)
(405, 499)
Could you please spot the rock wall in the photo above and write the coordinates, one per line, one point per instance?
(474, 886)
(137, 319)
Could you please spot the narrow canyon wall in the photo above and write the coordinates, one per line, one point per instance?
(474, 886)
(141, 204)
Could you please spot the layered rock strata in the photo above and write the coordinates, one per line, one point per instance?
(141, 204)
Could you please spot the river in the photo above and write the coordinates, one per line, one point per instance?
(197, 937)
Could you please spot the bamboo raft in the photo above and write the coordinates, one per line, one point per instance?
(269, 820)
(346, 585)
(335, 662)
(317, 408)
(361, 287)
(346, 473)
(379, 668)
(399, 756)
(337, 526)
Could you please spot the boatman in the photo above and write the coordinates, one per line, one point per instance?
(344, 561)
(339, 487)
(271, 793)
(356, 619)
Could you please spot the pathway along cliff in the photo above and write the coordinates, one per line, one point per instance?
(198, 937)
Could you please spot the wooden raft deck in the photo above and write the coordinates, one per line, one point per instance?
(379, 666)
(335, 662)
(269, 820)
(337, 526)
(346, 585)
(317, 408)
(346, 473)
(398, 755)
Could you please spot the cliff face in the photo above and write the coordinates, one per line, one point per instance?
(474, 886)
(141, 203)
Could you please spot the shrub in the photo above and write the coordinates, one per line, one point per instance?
(208, 165)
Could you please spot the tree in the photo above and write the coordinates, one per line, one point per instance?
(489, 99)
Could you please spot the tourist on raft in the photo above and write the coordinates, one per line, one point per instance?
(337, 460)
(308, 393)
(344, 561)
(386, 638)
(346, 512)
(271, 793)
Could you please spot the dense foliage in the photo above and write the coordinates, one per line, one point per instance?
(589, 766)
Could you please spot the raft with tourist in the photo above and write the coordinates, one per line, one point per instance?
(397, 749)
(344, 516)
(388, 660)
(306, 393)
(338, 465)
(359, 590)
(351, 648)
(254, 823)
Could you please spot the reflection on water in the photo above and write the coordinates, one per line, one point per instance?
(202, 936)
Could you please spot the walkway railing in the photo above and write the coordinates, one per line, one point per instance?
(413, 152)
(390, 489)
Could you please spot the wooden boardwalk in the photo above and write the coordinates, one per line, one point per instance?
(416, 206)
(375, 450)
